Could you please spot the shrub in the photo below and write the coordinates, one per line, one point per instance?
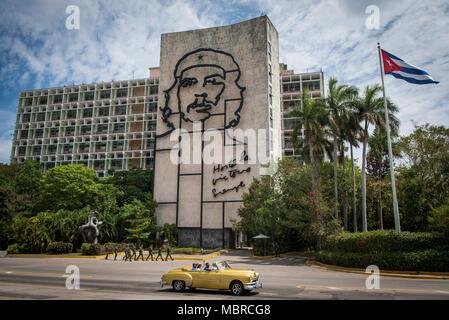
(59, 247)
(385, 241)
(90, 249)
(426, 260)
(16, 248)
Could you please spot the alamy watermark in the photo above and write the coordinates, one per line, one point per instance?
(72, 22)
(372, 22)
(73, 277)
(373, 280)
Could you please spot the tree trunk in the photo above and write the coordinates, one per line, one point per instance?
(344, 197)
(365, 140)
(354, 191)
(336, 205)
(379, 205)
(312, 162)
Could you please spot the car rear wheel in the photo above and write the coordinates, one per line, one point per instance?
(237, 288)
(179, 285)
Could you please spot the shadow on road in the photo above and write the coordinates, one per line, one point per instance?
(245, 257)
(192, 292)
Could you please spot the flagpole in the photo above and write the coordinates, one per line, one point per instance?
(397, 223)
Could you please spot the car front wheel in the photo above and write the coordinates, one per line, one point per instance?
(237, 288)
(179, 285)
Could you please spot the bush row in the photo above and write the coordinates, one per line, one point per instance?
(385, 241)
(426, 260)
(52, 248)
(59, 247)
(89, 249)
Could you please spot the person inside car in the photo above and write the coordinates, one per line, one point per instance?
(207, 267)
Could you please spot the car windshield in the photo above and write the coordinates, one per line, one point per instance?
(221, 265)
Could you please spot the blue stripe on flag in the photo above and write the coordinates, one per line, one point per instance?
(414, 71)
(412, 80)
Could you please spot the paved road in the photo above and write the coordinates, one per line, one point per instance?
(283, 278)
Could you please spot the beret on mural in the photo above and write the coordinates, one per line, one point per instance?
(206, 57)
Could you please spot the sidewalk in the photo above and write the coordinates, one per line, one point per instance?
(386, 273)
(101, 257)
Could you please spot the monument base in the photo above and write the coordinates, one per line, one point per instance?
(211, 238)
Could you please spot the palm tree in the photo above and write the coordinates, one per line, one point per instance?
(312, 117)
(338, 103)
(370, 110)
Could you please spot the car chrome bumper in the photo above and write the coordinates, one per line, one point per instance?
(162, 283)
(253, 285)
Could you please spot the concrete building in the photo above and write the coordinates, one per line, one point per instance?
(105, 126)
(292, 87)
(213, 81)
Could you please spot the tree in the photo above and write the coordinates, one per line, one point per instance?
(423, 180)
(19, 188)
(338, 103)
(378, 165)
(312, 120)
(68, 187)
(370, 111)
(136, 221)
(134, 184)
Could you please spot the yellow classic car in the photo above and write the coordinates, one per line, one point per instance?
(218, 275)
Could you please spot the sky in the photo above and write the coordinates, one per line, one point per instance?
(117, 39)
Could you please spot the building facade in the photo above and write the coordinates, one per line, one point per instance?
(212, 82)
(292, 87)
(105, 126)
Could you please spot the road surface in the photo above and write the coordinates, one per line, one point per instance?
(282, 278)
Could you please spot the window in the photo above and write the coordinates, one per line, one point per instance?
(40, 116)
(28, 102)
(153, 107)
(73, 97)
(152, 125)
(87, 113)
(36, 150)
(86, 129)
(54, 132)
(71, 114)
(120, 110)
(154, 89)
(122, 92)
(39, 133)
(57, 99)
(119, 127)
(21, 151)
(23, 134)
(89, 96)
(52, 149)
(70, 131)
(55, 115)
(25, 118)
(102, 128)
(105, 94)
(104, 111)
(43, 100)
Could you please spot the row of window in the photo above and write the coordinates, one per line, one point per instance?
(90, 96)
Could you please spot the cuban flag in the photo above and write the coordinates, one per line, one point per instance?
(400, 69)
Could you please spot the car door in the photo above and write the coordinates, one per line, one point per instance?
(207, 279)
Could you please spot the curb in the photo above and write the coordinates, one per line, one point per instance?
(387, 273)
(51, 256)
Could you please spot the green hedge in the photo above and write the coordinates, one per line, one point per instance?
(59, 247)
(385, 241)
(426, 260)
(16, 248)
(89, 249)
